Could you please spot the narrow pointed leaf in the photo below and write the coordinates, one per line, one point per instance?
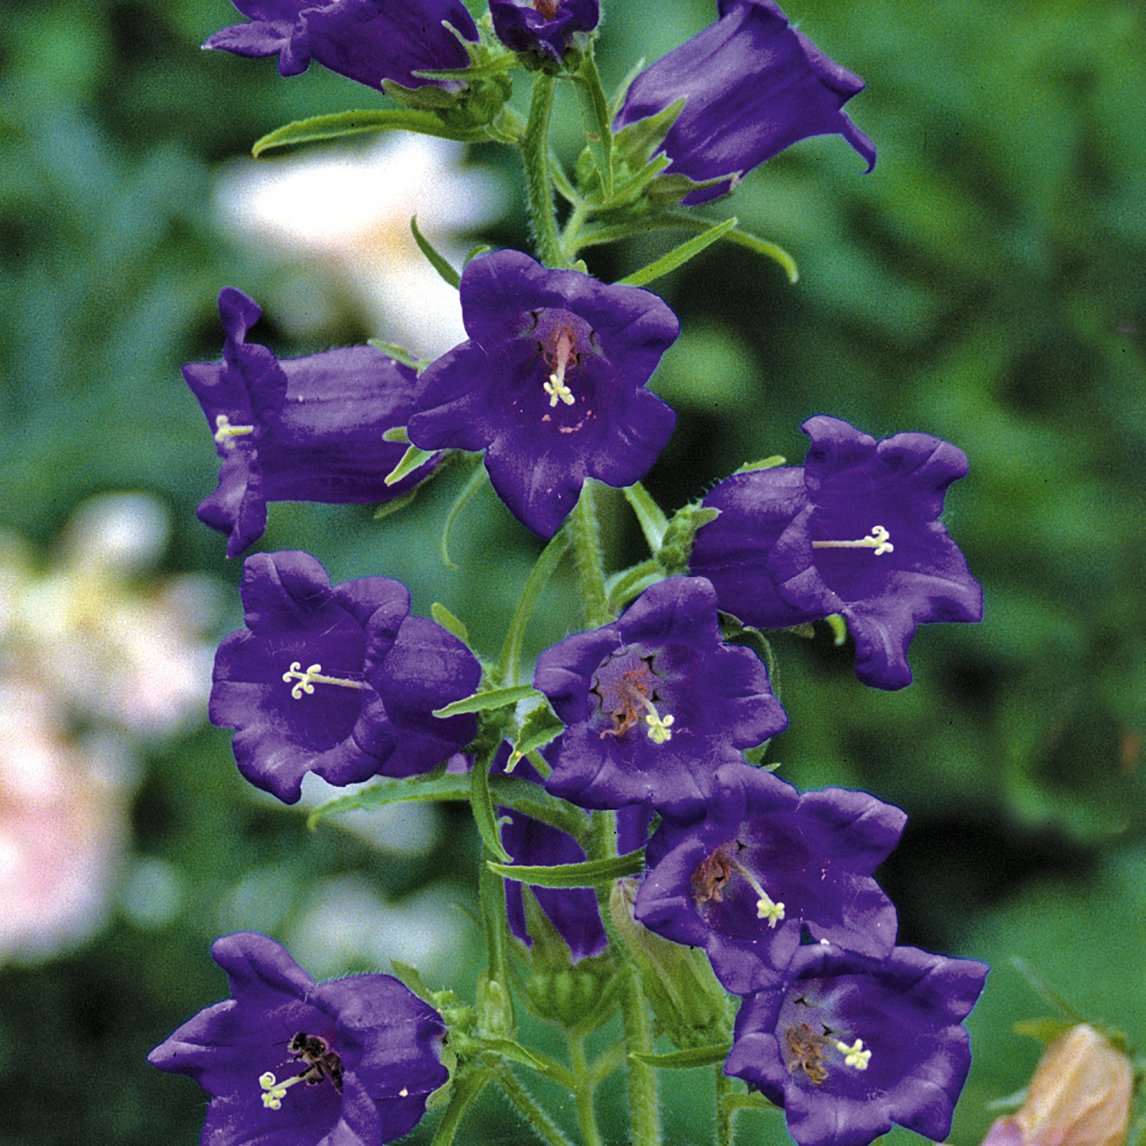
(490, 698)
(344, 123)
(411, 460)
(650, 516)
(589, 873)
(449, 622)
(680, 255)
(694, 1056)
(481, 804)
(437, 260)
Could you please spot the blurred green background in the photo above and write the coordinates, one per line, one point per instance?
(987, 284)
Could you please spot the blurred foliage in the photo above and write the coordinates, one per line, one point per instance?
(987, 283)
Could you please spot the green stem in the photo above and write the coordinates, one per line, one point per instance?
(491, 895)
(464, 1095)
(723, 1112)
(538, 1119)
(543, 569)
(586, 1119)
(585, 533)
(538, 181)
(643, 1100)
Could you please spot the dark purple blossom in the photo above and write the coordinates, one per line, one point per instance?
(753, 85)
(366, 40)
(296, 429)
(654, 703)
(765, 865)
(543, 29)
(550, 383)
(855, 531)
(288, 1062)
(849, 1045)
(337, 681)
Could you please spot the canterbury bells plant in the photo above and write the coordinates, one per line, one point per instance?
(643, 863)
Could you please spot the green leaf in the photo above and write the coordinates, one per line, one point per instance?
(764, 464)
(1044, 1031)
(411, 460)
(438, 261)
(839, 628)
(475, 482)
(449, 622)
(394, 505)
(589, 873)
(344, 123)
(639, 140)
(539, 727)
(481, 805)
(514, 1051)
(650, 516)
(490, 698)
(679, 255)
(534, 801)
(768, 249)
(680, 535)
(399, 354)
(411, 789)
(411, 977)
(694, 1056)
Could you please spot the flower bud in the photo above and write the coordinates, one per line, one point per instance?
(1079, 1096)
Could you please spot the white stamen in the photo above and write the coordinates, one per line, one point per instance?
(308, 679)
(225, 433)
(878, 542)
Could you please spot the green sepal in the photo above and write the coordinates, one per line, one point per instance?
(425, 97)
(489, 699)
(669, 190)
(1044, 1031)
(539, 727)
(679, 255)
(628, 191)
(636, 142)
(434, 257)
(494, 1009)
(411, 977)
(402, 355)
(588, 873)
(411, 460)
(764, 464)
(678, 1060)
(338, 125)
(449, 622)
(689, 1004)
(474, 252)
(681, 533)
(578, 996)
(396, 435)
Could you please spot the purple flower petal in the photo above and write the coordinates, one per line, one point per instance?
(797, 1042)
(367, 40)
(753, 86)
(543, 29)
(337, 681)
(761, 845)
(368, 1047)
(654, 703)
(550, 383)
(297, 429)
(862, 537)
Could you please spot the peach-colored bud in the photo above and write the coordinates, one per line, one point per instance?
(1079, 1096)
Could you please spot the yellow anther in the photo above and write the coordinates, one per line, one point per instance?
(313, 675)
(225, 433)
(878, 542)
(659, 727)
(403, 1093)
(556, 389)
(766, 908)
(854, 1055)
(275, 1091)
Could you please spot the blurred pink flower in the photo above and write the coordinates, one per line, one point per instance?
(1079, 1096)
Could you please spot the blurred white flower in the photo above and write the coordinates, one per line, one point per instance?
(349, 209)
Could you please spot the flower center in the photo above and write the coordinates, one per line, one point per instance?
(547, 8)
(809, 1050)
(629, 695)
(321, 1063)
(312, 676)
(710, 880)
(225, 433)
(561, 355)
(878, 541)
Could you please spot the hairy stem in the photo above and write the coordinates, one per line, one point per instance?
(538, 181)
